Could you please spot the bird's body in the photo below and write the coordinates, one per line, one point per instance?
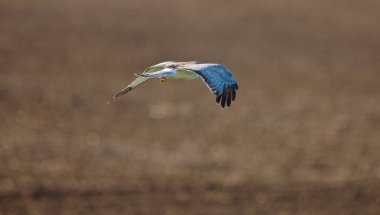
(184, 75)
(217, 77)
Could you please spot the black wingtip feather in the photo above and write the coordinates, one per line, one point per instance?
(218, 98)
(233, 95)
(228, 96)
(223, 102)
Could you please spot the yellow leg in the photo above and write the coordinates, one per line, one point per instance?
(162, 80)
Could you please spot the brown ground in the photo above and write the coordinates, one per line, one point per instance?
(302, 138)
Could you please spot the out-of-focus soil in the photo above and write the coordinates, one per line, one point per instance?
(303, 136)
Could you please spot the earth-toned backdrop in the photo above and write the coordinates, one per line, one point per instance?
(303, 136)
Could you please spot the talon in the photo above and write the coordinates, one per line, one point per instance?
(163, 79)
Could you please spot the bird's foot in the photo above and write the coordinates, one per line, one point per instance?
(162, 80)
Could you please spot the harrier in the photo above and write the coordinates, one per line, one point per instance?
(217, 77)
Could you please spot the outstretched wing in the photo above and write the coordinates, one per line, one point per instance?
(219, 79)
(143, 78)
(137, 82)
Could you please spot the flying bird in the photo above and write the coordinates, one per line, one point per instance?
(217, 77)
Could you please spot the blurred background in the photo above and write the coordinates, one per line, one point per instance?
(303, 136)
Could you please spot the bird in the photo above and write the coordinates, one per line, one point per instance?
(217, 77)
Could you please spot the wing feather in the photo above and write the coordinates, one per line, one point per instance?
(219, 80)
(137, 82)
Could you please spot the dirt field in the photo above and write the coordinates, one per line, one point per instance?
(302, 138)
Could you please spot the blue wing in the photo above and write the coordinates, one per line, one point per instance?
(219, 79)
